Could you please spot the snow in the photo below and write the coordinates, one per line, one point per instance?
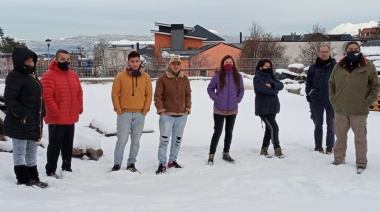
(296, 65)
(370, 50)
(286, 71)
(214, 31)
(303, 181)
(353, 29)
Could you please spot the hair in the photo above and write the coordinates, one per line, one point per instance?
(324, 45)
(261, 63)
(349, 43)
(133, 54)
(59, 52)
(222, 73)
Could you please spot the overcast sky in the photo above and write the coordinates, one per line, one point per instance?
(42, 19)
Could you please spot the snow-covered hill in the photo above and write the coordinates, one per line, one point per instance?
(353, 29)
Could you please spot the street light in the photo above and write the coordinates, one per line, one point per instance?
(48, 41)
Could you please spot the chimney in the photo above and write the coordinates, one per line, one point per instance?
(137, 46)
(241, 37)
(178, 40)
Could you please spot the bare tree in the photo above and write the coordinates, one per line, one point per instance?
(309, 51)
(200, 61)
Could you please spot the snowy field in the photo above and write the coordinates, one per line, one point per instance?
(303, 181)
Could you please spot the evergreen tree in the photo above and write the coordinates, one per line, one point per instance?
(7, 44)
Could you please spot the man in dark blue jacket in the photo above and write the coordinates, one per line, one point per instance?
(317, 94)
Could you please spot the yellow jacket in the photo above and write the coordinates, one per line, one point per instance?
(131, 93)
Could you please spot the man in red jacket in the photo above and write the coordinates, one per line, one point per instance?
(63, 98)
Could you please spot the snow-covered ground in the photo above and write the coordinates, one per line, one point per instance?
(303, 181)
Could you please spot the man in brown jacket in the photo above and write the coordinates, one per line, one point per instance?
(172, 99)
(353, 87)
(131, 98)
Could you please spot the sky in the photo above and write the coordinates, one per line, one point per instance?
(42, 19)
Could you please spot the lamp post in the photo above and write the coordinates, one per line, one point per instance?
(80, 49)
(48, 41)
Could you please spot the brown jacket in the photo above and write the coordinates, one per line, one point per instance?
(173, 94)
(131, 94)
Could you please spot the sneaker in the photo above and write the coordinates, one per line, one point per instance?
(360, 169)
(278, 153)
(336, 162)
(115, 168)
(210, 159)
(131, 167)
(39, 184)
(67, 170)
(174, 164)
(227, 157)
(161, 169)
(52, 174)
(319, 149)
(264, 152)
(329, 150)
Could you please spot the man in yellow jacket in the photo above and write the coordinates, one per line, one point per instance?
(131, 98)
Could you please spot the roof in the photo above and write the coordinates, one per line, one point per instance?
(306, 37)
(341, 37)
(146, 52)
(204, 33)
(368, 30)
(372, 43)
(168, 33)
(288, 38)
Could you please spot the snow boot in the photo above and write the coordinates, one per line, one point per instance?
(227, 157)
(210, 159)
(22, 175)
(33, 173)
(318, 149)
(278, 153)
(264, 152)
(329, 150)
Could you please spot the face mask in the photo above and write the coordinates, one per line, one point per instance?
(228, 67)
(353, 56)
(29, 69)
(63, 66)
(136, 73)
(267, 70)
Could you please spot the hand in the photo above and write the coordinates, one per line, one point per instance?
(162, 113)
(268, 84)
(187, 112)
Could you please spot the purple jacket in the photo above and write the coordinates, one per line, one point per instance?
(230, 96)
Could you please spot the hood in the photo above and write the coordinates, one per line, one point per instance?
(19, 55)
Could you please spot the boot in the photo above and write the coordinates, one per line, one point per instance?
(278, 152)
(210, 159)
(35, 180)
(264, 152)
(22, 175)
(227, 157)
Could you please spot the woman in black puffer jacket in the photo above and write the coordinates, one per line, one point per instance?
(25, 111)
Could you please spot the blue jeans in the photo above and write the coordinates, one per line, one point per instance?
(24, 152)
(317, 112)
(174, 126)
(128, 123)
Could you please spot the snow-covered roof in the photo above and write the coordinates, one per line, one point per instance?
(370, 50)
(286, 71)
(296, 65)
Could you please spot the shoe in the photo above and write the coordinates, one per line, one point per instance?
(161, 169)
(329, 150)
(67, 170)
(131, 167)
(278, 153)
(52, 174)
(115, 168)
(210, 159)
(227, 157)
(39, 184)
(319, 149)
(174, 164)
(360, 169)
(337, 163)
(264, 152)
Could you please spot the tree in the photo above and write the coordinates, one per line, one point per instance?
(377, 30)
(7, 44)
(309, 51)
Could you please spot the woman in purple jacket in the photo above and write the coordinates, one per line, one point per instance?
(226, 89)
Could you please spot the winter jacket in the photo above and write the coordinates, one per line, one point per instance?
(353, 93)
(131, 93)
(23, 98)
(228, 98)
(266, 100)
(63, 95)
(317, 82)
(173, 94)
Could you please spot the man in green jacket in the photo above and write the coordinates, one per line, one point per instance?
(353, 87)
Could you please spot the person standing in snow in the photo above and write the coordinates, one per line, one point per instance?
(317, 94)
(226, 89)
(172, 99)
(64, 103)
(267, 104)
(353, 87)
(25, 111)
(131, 98)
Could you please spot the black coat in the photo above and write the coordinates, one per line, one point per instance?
(23, 98)
(266, 100)
(317, 82)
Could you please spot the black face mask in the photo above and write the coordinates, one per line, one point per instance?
(63, 66)
(267, 70)
(29, 69)
(136, 73)
(353, 56)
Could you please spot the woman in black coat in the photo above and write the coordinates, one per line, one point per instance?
(25, 111)
(267, 104)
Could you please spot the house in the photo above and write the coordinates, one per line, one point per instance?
(6, 64)
(369, 33)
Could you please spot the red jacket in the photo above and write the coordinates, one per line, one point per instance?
(63, 96)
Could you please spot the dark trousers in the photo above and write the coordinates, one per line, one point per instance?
(271, 131)
(218, 129)
(317, 117)
(61, 139)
